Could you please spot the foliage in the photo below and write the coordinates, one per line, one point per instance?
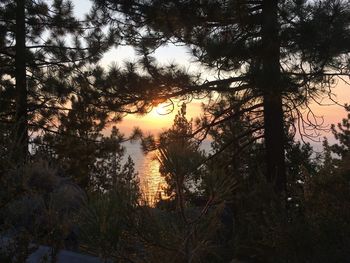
(315, 229)
(76, 190)
(45, 49)
(39, 207)
(106, 219)
(194, 221)
(341, 133)
(94, 157)
(265, 54)
(179, 156)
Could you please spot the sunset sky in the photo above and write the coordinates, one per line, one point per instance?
(155, 122)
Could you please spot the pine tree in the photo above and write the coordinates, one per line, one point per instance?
(341, 133)
(82, 146)
(179, 155)
(42, 47)
(279, 53)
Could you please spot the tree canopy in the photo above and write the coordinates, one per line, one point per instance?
(259, 195)
(279, 55)
(43, 49)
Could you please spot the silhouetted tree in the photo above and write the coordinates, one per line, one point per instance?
(341, 132)
(42, 46)
(196, 196)
(268, 52)
(82, 150)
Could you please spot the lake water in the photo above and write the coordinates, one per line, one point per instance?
(151, 182)
(147, 166)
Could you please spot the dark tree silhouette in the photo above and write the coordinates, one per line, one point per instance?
(43, 46)
(279, 54)
(21, 137)
(341, 132)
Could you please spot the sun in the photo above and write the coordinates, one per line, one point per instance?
(161, 110)
(161, 115)
(160, 118)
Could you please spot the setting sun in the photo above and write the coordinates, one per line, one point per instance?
(162, 109)
(159, 118)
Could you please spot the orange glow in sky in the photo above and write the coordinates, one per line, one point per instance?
(162, 115)
(160, 118)
(156, 120)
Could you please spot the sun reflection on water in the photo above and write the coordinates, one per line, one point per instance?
(151, 182)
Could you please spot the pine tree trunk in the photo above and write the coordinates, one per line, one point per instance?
(272, 98)
(21, 119)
